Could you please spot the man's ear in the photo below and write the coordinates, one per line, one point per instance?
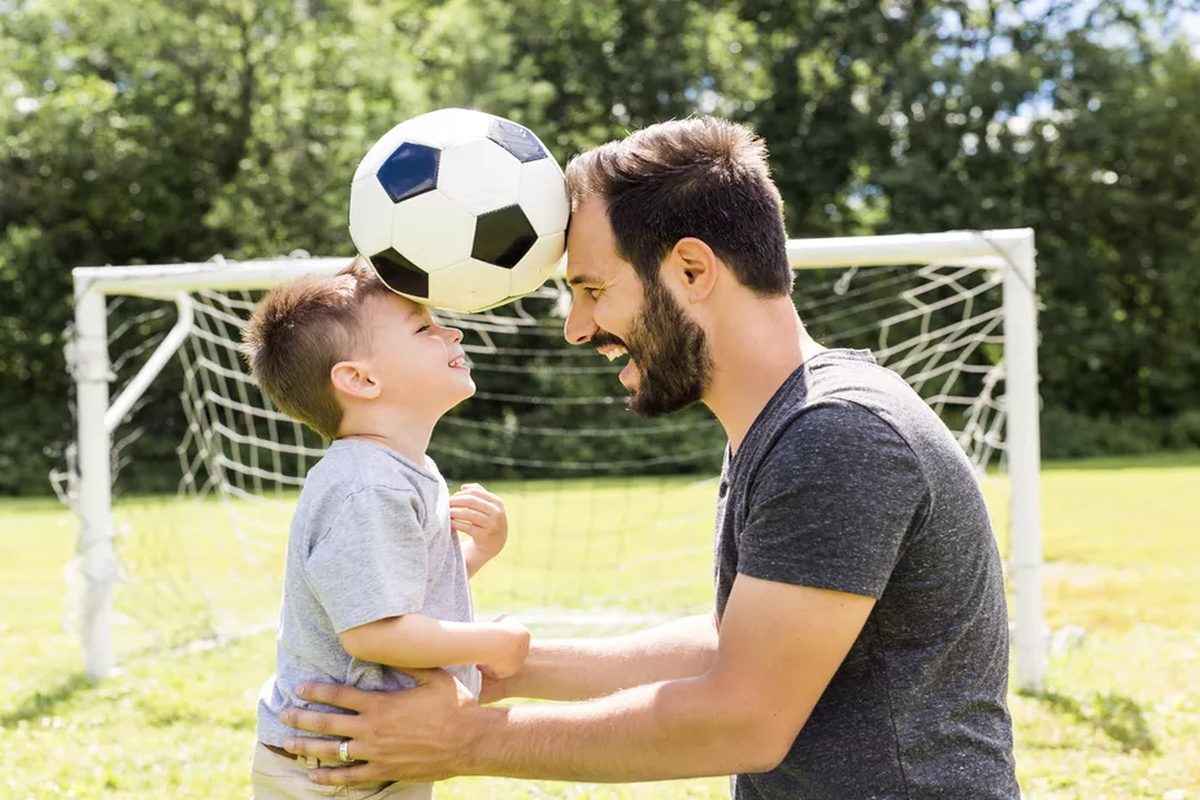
(693, 267)
(352, 378)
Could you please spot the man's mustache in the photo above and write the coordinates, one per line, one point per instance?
(604, 339)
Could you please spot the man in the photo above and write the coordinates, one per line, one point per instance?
(859, 644)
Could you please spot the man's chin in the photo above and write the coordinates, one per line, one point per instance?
(647, 404)
(630, 377)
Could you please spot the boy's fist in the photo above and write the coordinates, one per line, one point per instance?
(480, 514)
(510, 651)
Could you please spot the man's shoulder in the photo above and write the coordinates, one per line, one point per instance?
(848, 398)
(842, 414)
(835, 434)
(838, 407)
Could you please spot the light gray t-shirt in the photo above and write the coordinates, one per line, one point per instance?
(370, 539)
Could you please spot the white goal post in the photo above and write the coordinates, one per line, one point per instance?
(1007, 255)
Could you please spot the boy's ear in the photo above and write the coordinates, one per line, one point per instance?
(693, 267)
(352, 378)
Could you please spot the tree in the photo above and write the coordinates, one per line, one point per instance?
(163, 132)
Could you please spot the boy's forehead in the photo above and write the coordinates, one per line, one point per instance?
(399, 306)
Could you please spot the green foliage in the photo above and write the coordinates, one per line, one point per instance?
(158, 132)
(1066, 434)
(1069, 434)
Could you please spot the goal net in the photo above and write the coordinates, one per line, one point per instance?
(611, 515)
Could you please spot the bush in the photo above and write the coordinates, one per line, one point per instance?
(1068, 434)
(1183, 432)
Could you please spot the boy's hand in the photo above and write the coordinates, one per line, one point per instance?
(512, 648)
(480, 514)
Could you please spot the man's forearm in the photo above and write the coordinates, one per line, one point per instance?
(673, 729)
(578, 669)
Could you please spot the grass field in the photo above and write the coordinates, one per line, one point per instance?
(1120, 719)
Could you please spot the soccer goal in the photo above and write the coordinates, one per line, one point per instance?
(611, 515)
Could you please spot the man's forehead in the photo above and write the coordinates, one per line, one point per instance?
(591, 247)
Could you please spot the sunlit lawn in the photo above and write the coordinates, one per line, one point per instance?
(1121, 717)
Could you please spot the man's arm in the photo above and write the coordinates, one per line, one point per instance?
(779, 647)
(414, 640)
(578, 669)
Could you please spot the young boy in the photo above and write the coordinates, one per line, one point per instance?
(376, 577)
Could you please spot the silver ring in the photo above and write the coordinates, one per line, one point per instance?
(344, 750)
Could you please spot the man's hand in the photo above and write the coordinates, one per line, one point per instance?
(416, 734)
(479, 514)
(511, 651)
(493, 689)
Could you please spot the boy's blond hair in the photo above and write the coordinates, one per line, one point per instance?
(299, 331)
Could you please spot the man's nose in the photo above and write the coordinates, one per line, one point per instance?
(579, 327)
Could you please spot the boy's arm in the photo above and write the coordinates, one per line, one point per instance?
(578, 669)
(475, 557)
(415, 640)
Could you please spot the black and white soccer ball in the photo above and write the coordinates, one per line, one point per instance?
(460, 209)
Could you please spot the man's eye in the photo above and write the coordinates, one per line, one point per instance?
(592, 292)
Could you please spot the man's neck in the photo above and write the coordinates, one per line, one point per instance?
(754, 352)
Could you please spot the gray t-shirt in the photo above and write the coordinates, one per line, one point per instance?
(847, 480)
(370, 539)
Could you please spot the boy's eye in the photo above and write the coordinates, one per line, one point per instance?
(424, 327)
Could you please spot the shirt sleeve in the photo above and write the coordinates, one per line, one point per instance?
(371, 563)
(833, 503)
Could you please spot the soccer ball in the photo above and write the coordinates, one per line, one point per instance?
(460, 210)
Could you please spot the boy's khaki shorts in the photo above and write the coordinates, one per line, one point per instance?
(277, 777)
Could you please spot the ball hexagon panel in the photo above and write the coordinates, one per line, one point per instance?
(410, 170)
(399, 274)
(379, 151)
(516, 139)
(469, 285)
(370, 215)
(480, 176)
(538, 264)
(432, 231)
(543, 196)
(503, 236)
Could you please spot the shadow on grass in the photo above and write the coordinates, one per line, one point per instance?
(41, 704)
(1117, 716)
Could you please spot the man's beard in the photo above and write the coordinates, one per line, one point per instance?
(671, 354)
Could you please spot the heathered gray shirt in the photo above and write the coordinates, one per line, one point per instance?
(370, 539)
(848, 481)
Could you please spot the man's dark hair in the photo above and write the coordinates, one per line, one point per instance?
(702, 177)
